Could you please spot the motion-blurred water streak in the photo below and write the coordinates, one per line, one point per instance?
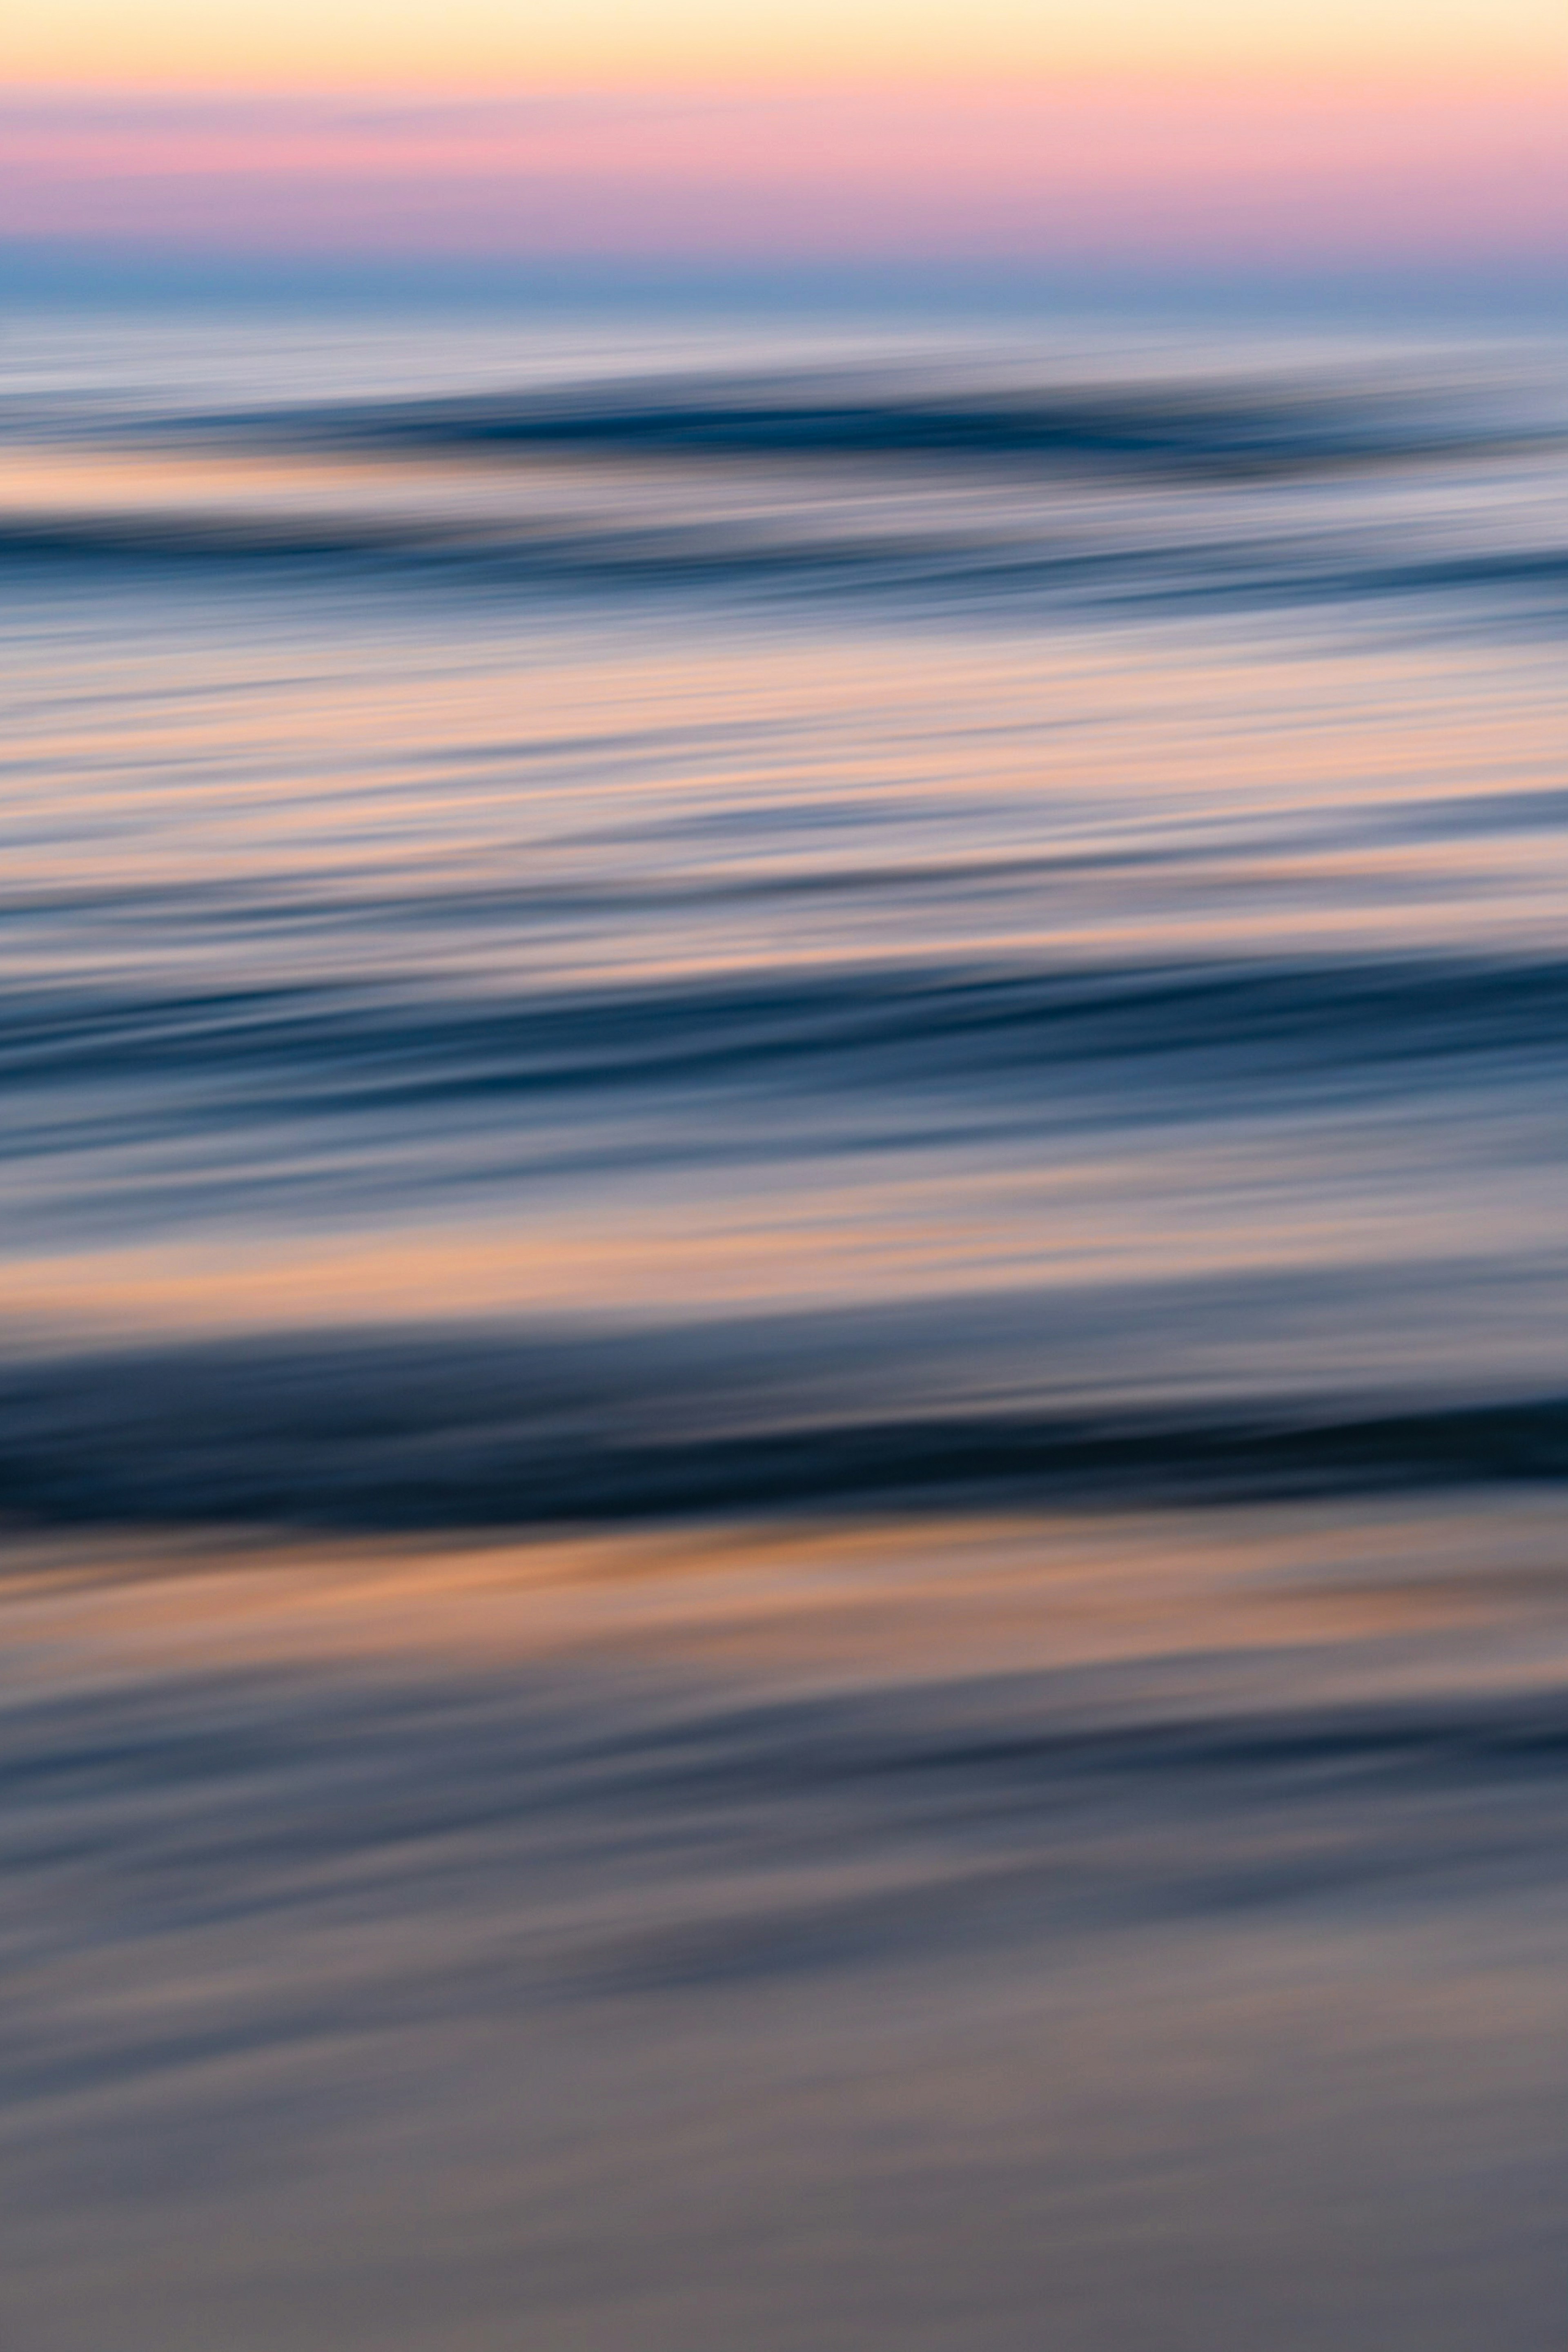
(857, 1065)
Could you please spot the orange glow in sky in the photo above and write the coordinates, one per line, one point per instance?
(1147, 127)
(483, 44)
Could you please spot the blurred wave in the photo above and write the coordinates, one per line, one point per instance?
(1250, 572)
(365, 1432)
(1088, 845)
(369, 1087)
(1082, 497)
(1245, 1023)
(1205, 427)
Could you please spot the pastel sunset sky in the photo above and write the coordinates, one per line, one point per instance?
(1210, 134)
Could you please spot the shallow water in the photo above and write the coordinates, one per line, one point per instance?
(928, 976)
(1127, 1930)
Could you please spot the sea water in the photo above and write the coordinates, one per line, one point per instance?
(823, 1069)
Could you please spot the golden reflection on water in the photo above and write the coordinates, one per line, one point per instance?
(1374, 1599)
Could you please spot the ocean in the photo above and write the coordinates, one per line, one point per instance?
(784, 1286)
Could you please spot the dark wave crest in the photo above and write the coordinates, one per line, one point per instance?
(974, 570)
(1205, 429)
(140, 1104)
(383, 1431)
(907, 1028)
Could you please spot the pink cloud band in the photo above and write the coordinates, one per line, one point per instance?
(1227, 170)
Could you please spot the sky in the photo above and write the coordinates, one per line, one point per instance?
(470, 45)
(1140, 134)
